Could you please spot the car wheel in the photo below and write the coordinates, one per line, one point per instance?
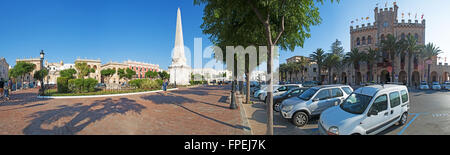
(300, 119)
(403, 119)
(276, 107)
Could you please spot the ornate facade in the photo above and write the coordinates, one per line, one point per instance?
(387, 69)
(366, 36)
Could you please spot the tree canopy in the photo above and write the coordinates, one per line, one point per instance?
(164, 75)
(151, 74)
(83, 69)
(21, 68)
(128, 73)
(40, 74)
(68, 73)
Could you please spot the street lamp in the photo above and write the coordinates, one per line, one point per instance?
(175, 78)
(42, 90)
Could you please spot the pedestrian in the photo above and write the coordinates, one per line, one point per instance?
(2, 84)
(8, 89)
(165, 87)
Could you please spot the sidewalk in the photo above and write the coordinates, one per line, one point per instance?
(257, 118)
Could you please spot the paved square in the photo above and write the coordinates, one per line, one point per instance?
(198, 111)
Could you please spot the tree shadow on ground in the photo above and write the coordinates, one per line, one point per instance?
(201, 91)
(283, 126)
(25, 107)
(21, 99)
(180, 101)
(80, 116)
(174, 99)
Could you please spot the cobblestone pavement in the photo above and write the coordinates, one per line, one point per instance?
(199, 111)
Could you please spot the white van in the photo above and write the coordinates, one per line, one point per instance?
(367, 111)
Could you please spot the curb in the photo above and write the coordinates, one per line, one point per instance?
(244, 116)
(98, 96)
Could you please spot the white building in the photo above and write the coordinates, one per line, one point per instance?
(4, 69)
(210, 74)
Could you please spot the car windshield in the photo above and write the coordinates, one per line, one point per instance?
(423, 83)
(308, 94)
(356, 103)
(435, 83)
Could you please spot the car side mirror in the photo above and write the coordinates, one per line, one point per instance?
(315, 99)
(373, 112)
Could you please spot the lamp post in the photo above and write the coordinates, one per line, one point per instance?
(42, 90)
(175, 78)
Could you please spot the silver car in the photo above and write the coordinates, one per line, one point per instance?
(436, 86)
(313, 102)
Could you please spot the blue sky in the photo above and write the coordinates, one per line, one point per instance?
(143, 30)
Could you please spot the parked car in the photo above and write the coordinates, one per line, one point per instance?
(368, 110)
(259, 91)
(436, 86)
(310, 83)
(279, 91)
(446, 85)
(313, 102)
(276, 89)
(424, 86)
(277, 100)
(100, 86)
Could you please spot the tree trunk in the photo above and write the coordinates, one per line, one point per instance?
(320, 74)
(329, 76)
(303, 76)
(247, 94)
(393, 69)
(428, 74)
(409, 71)
(270, 91)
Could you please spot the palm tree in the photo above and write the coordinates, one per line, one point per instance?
(429, 52)
(283, 71)
(353, 58)
(391, 45)
(412, 49)
(294, 68)
(303, 63)
(318, 56)
(330, 62)
(370, 58)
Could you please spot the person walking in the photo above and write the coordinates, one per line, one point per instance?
(2, 85)
(165, 87)
(8, 89)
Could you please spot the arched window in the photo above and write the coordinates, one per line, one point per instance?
(358, 42)
(369, 40)
(403, 36)
(382, 37)
(417, 37)
(363, 40)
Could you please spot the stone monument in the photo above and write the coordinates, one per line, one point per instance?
(179, 71)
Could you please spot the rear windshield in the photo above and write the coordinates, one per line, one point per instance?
(347, 90)
(308, 94)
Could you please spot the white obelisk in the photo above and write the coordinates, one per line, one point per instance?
(179, 70)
